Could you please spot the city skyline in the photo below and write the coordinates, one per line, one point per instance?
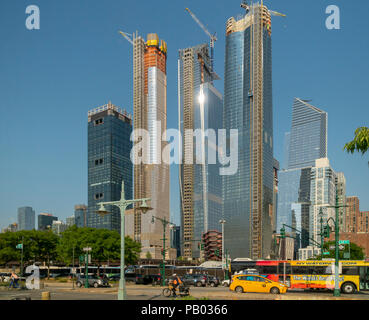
(41, 178)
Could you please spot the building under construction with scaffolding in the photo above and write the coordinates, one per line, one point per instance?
(248, 195)
(151, 179)
(200, 106)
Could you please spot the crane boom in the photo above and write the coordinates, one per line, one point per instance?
(275, 13)
(125, 35)
(213, 37)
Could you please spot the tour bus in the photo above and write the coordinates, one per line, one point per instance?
(311, 274)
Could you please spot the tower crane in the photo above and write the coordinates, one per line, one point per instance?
(246, 6)
(126, 36)
(212, 37)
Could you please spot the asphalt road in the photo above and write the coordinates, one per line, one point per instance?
(64, 291)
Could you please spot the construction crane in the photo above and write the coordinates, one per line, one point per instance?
(126, 35)
(246, 6)
(212, 37)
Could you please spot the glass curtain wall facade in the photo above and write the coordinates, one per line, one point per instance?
(200, 184)
(109, 147)
(26, 218)
(80, 215)
(248, 194)
(306, 142)
(323, 194)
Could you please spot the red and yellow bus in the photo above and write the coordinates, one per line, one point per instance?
(311, 274)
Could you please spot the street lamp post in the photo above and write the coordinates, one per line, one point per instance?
(321, 233)
(165, 222)
(73, 267)
(336, 291)
(222, 222)
(122, 204)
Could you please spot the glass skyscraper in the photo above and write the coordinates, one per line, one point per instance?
(306, 143)
(109, 147)
(201, 184)
(26, 218)
(248, 194)
(80, 215)
(308, 140)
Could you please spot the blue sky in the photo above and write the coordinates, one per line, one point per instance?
(50, 78)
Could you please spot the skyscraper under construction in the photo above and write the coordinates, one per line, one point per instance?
(151, 179)
(200, 108)
(248, 194)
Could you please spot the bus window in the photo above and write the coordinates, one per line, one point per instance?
(284, 268)
(301, 270)
(350, 271)
(322, 270)
(268, 270)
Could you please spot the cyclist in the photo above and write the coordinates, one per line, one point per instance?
(176, 283)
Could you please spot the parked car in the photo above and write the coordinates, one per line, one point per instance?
(226, 283)
(212, 281)
(153, 278)
(198, 280)
(254, 283)
(140, 279)
(93, 281)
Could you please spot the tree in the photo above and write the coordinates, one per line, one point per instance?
(37, 246)
(360, 142)
(132, 251)
(105, 245)
(148, 255)
(356, 252)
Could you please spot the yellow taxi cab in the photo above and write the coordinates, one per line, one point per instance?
(252, 283)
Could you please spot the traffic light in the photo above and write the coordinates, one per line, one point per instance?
(283, 232)
(326, 231)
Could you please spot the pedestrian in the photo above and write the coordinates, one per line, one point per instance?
(14, 280)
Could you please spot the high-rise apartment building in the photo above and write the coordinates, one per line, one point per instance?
(151, 177)
(70, 221)
(109, 147)
(306, 142)
(363, 225)
(26, 218)
(352, 214)
(45, 221)
(248, 194)
(322, 195)
(80, 215)
(58, 227)
(200, 109)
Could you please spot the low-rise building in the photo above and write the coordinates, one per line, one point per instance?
(309, 252)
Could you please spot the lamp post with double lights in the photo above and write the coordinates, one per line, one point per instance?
(122, 204)
(165, 222)
(336, 292)
(222, 222)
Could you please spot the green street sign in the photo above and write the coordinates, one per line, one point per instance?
(344, 241)
(325, 253)
(19, 246)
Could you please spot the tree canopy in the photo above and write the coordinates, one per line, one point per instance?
(45, 246)
(356, 252)
(360, 142)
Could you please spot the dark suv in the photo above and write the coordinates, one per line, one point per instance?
(198, 280)
(212, 281)
(93, 281)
